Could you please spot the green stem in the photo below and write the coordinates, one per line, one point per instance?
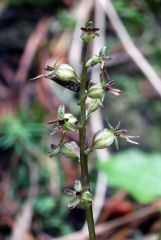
(82, 138)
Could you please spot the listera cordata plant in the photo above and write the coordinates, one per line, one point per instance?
(95, 93)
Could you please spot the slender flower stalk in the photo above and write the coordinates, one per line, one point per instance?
(82, 138)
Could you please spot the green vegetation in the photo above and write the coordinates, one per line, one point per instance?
(137, 173)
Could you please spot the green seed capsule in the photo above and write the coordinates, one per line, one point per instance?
(103, 139)
(96, 91)
(71, 150)
(66, 73)
(93, 61)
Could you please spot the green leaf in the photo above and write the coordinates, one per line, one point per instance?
(136, 172)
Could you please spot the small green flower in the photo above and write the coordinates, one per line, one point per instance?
(93, 105)
(105, 137)
(71, 150)
(65, 121)
(89, 32)
(63, 72)
(98, 59)
(96, 92)
(93, 61)
(81, 195)
(71, 122)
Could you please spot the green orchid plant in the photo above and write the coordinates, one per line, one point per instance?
(90, 99)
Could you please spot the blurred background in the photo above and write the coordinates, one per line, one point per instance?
(127, 182)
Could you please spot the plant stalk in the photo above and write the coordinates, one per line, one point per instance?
(82, 139)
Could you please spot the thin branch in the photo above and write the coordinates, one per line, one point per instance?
(130, 47)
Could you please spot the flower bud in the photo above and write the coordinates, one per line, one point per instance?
(88, 37)
(93, 61)
(70, 150)
(78, 186)
(61, 111)
(54, 150)
(70, 123)
(89, 32)
(103, 139)
(102, 52)
(66, 73)
(96, 91)
(94, 104)
(86, 199)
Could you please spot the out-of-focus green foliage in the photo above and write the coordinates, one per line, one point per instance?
(137, 112)
(18, 133)
(136, 172)
(138, 107)
(44, 205)
(130, 12)
(53, 213)
(66, 19)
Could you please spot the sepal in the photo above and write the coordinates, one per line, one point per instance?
(71, 150)
(65, 73)
(96, 92)
(70, 122)
(78, 186)
(93, 105)
(86, 198)
(103, 139)
(65, 121)
(54, 150)
(93, 61)
(61, 112)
